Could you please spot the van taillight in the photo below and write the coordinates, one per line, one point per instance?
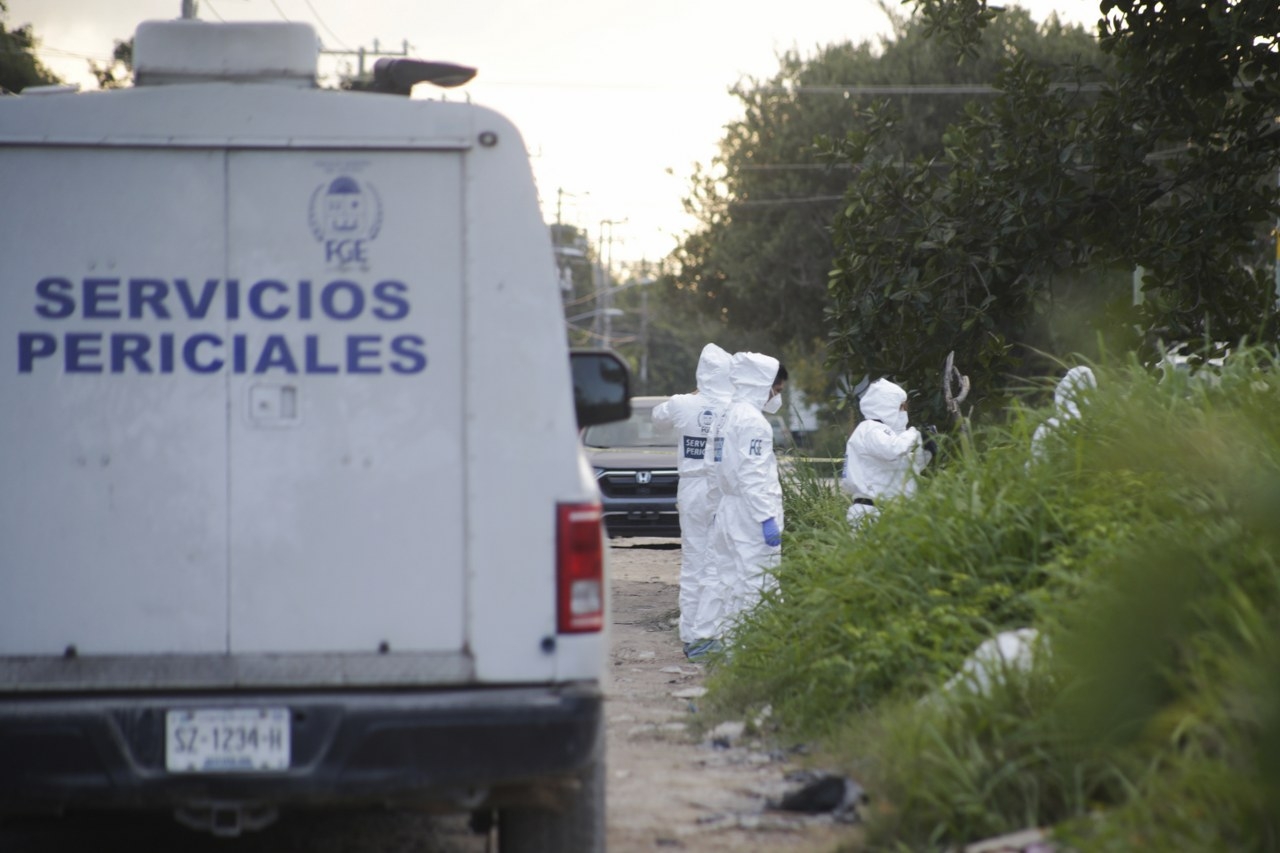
(579, 569)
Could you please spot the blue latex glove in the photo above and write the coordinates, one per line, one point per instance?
(772, 535)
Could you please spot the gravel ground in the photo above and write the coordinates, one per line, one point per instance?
(669, 786)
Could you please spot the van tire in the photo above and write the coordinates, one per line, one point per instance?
(578, 827)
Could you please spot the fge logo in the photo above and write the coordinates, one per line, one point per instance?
(345, 216)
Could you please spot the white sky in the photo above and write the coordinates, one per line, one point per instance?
(616, 99)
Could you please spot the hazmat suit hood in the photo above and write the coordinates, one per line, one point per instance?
(753, 374)
(882, 401)
(713, 374)
(1066, 397)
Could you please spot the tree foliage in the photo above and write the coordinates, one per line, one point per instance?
(1145, 557)
(1024, 233)
(759, 261)
(117, 73)
(19, 66)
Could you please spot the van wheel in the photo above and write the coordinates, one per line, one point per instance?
(578, 827)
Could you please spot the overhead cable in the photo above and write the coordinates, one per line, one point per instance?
(280, 11)
(846, 90)
(320, 21)
(777, 201)
(57, 51)
(910, 89)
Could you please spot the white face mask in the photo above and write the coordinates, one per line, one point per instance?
(898, 422)
(774, 403)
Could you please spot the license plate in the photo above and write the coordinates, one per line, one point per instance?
(226, 740)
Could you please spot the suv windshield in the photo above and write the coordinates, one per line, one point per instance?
(639, 430)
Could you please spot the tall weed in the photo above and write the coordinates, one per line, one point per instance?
(1143, 546)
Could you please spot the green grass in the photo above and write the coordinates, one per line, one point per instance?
(1143, 548)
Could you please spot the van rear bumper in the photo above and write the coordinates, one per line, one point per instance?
(458, 749)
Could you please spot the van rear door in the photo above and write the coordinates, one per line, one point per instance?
(113, 519)
(346, 439)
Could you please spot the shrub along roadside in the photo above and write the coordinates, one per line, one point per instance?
(1142, 547)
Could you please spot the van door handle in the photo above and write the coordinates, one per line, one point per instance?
(273, 404)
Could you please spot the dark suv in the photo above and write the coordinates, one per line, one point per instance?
(635, 465)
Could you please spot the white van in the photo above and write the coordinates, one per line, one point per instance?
(293, 511)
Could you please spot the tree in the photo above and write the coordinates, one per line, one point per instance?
(1024, 235)
(19, 66)
(760, 261)
(119, 71)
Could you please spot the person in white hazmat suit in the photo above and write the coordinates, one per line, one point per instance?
(1067, 396)
(694, 416)
(747, 541)
(883, 455)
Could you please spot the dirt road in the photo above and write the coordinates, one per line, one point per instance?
(669, 787)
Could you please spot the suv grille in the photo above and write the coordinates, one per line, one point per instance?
(627, 483)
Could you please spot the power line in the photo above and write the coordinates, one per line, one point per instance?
(579, 85)
(624, 339)
(768, 202)
(315, 14)
(846, 90)
(791, 167)
(320, 21)
(279, 10)
(66, 54)
(910, 89)
(209, 3)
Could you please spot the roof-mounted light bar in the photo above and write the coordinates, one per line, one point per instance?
(398, 76)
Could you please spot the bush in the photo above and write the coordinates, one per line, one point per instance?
(1143, 549)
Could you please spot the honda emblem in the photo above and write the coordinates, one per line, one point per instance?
(644, 477)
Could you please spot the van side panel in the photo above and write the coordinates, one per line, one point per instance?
(347, 449)
(523, 457)
(113, 517)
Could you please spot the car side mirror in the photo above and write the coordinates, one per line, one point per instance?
(601, 387)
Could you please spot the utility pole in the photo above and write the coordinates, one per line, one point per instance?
(644, 328)
(188, 10)
(606, 273)
(361, 53)
(646, 281)
(560, 194)
(601, 284)
(567, 251)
